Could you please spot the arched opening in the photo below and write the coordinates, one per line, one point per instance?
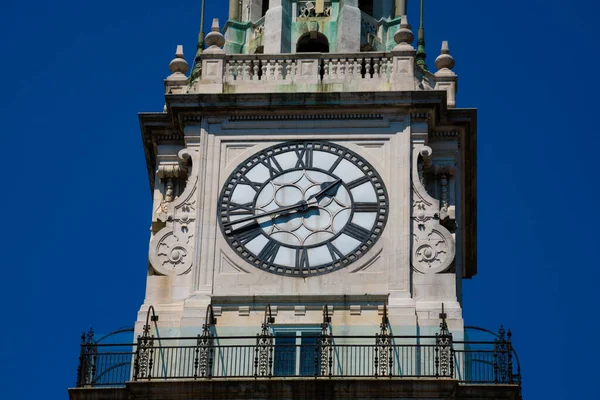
(312, 42)
(265, 7)
(366, 6)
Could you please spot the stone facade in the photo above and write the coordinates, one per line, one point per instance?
(395, 116)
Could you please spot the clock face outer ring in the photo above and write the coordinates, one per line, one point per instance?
(299, 147)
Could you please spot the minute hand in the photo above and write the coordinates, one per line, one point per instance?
(314, 196)
(282, 210)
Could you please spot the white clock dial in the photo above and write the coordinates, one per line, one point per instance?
(303, 208)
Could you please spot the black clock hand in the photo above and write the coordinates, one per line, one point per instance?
(302, 205)
(282, 210)
(314, 196)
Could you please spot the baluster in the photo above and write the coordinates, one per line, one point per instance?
(385, 68)
(326, 70)
(278, 70)
(334, 69)
(358, 67)
(272, 69)
(239, 75)
(349, 68)
(367, 67)
(229, 71)
(341, 69)
(264, 71)
(288, 70)
(295, 68)
(376, 68)
(245, 70)
(255, 70)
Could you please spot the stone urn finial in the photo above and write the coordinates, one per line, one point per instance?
(404, 36)
(178, 67)
(445, 62)
(215, 39)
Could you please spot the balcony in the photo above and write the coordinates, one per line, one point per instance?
(271, 356)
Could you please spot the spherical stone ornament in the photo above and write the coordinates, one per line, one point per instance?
(444, 60)
(404, 36)
(303, 208)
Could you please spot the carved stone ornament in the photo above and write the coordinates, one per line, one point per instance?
(433, 246)
(172, 248)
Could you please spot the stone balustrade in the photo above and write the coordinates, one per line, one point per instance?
(288, 69)
(310, 72)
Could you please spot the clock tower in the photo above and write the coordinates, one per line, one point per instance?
(311, 161)
(314, 216)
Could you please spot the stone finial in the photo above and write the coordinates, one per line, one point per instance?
(445, 61)
(215, 39)
(178, 67)
(404, 36)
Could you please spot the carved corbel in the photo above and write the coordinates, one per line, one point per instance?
(171, 249)
(443, 174)
(433, 247)
(168, 173)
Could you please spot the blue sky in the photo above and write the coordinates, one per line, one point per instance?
(77, 205)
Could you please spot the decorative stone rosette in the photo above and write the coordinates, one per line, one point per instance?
(172, 248)
(433, 246)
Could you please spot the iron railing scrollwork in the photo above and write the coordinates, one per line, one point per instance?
(144, 352)
(87, 360)
(502, 359)
(205, 351)
(383, 354)
(444, 349)
(263, 352)
(324, 350)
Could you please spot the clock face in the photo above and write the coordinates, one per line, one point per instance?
(303, 208)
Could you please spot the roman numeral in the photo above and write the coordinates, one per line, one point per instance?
(247, 233)
(335, 253)
(335, 164)
(357, 232)
(254, 185)
(365, 207)
(302, 259)
(272, 165)
(269, 252)
(305, 158)
(358, 182)
(238, 209)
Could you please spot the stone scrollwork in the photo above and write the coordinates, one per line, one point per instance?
(171, 248)
(433, 247)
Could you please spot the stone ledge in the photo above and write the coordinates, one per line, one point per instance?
(300, 389)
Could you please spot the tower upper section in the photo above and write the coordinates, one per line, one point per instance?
(324, 26)
(324, 46)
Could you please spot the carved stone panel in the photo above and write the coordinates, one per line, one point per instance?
(433, 246)
(172, 248)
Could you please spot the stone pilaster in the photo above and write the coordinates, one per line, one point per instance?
(348, 28)
(278, 27)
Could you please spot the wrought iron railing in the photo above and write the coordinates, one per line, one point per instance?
(269, 356)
